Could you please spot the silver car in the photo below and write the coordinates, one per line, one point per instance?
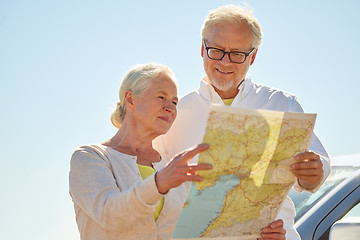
(333, 212)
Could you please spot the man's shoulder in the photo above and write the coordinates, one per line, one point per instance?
(272, 91)
(189, 99)
(270, 98)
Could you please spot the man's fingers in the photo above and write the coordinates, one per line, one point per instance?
(277, 223)
(275, 227)
(306, 155)
(270, 236)
(274, 231)
(307, 172)
(314, 164)
(308, 169)
(310, 179)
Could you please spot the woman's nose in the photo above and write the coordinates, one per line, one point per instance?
(170, 107)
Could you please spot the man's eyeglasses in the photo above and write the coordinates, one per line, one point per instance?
(234, 56)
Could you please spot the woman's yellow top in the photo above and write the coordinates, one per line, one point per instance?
(145, 172)
(228, 102)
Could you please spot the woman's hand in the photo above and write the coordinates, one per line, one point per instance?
(275, 230)
(178, 170)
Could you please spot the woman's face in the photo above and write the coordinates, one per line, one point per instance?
(155, 108)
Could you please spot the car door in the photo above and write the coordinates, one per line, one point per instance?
(339, 210)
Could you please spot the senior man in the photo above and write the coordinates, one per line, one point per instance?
(231, 37)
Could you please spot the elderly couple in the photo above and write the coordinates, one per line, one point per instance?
(128, 188)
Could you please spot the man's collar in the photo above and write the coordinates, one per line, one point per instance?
(209, 92)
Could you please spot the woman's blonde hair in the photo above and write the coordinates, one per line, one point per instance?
(234, 14)
(137, 79)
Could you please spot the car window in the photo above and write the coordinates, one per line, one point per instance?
(354, 212)
(304, 201)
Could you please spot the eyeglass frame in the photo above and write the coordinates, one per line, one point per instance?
(228, 53)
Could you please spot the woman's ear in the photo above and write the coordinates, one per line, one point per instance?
(129, 99)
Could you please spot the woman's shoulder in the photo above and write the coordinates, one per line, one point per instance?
(90, 151)
(95, 152)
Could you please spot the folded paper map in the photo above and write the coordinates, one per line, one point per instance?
(251, 152)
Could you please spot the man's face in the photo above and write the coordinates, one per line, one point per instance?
(224, 75)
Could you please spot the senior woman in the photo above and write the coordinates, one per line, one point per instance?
(123, 188)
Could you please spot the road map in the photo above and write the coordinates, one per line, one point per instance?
(251, 152)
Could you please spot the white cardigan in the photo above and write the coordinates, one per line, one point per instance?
(112, 201)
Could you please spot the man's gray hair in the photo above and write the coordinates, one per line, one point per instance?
(234, 14)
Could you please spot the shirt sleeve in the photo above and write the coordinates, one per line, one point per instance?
(317, 147)
(93, 188)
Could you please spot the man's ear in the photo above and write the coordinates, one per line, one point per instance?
(202, 49)
(129, 99)
(253, 56)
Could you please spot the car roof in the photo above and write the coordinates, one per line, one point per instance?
(346, 160)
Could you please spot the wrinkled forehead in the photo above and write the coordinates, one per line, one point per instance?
(230, 35)
(164, 82)
(220, 23)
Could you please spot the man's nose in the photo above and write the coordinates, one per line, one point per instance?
(226, 59)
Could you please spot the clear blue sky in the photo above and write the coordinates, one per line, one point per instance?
(61, 63)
